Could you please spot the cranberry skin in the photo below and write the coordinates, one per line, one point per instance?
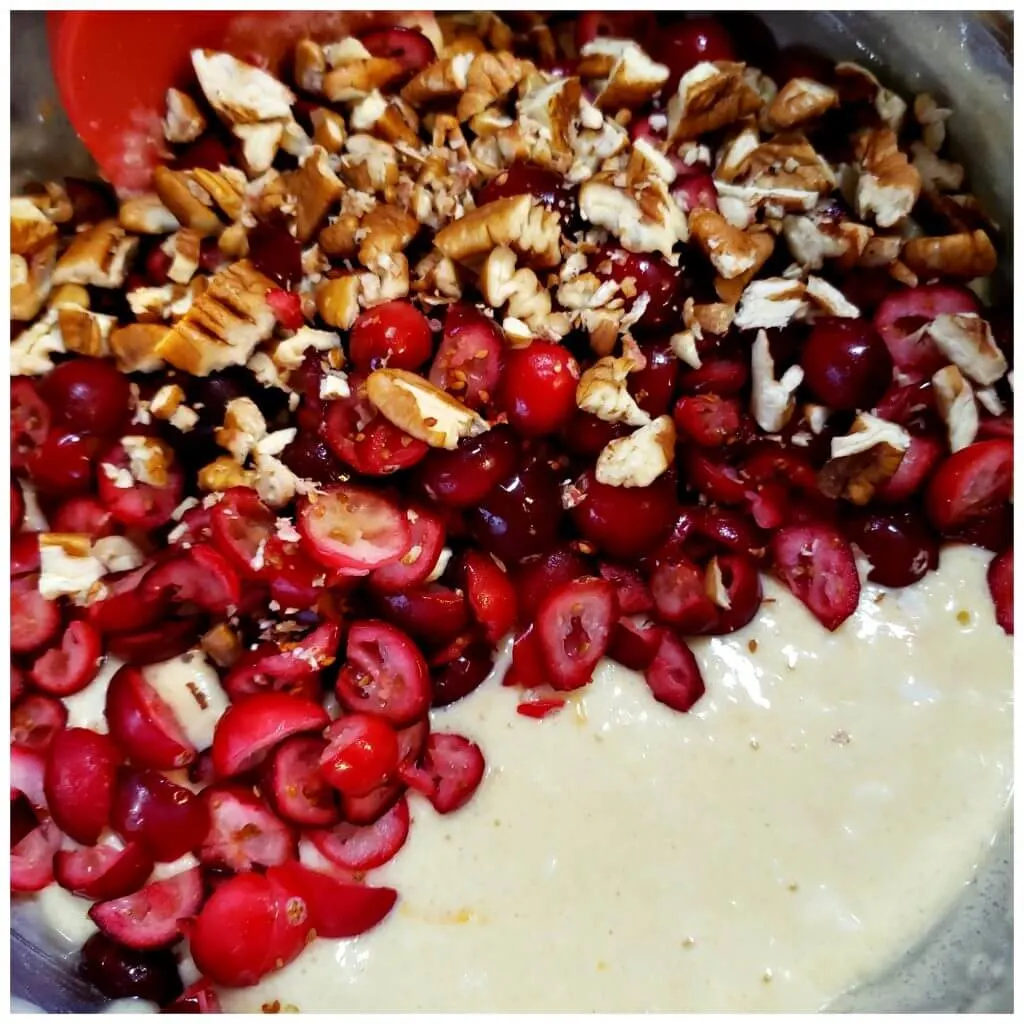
(274, 251)
(311, 458)
(461, 676)
(900, 545)
(521, 516)
(461, 478)
(88, 396)
(167, 819)
(585, 435)
(626, 522)
(654, 278)
(688, 43)
(409, 46)
(1000, 585)
(30, 421)
(395, 334)
(654, 385)
(361, 755)
(64, 463)
(846, 364)
(122, 973)
(538, 388)
(529, 179)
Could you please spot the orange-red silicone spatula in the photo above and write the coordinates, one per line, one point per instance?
(113, 68)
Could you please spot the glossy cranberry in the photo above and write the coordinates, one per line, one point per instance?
(521, 516)
(407, 45)
(654, 385)
(695, 190)
(723, 375)
(168, 819)
(459, 677)
(468, 361)
(538, 388)
(460, 478)
(244, 832)
(591, 25)
(287, 307)
(64, 463)
(433, 613)
(30, 421)
(17, 505)
(276, 252)
(900, 545)
(688, 43)
(122, 973)
(970, 484)
(633, 594)
(310, 457)
(846, 364)
(625, 522)
(394, 334)
(25, 557)
(528, 179)
(361, 754)
(88, 396)
(363, 847)
(34, 620)
(992, 531)
(294, 785)
(674, 677)
(585, 435)
(81, 767)
(919, 460)
(83, 514)
(652, 277)
(739, 579)
(449, 772)
(681, 596)
(708, 420)
(1000, 585)
(634, 645)
(36, 719)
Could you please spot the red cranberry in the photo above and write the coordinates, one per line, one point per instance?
(536, 577)
(652, 277)
(846, 364)
(83, 514)
(585, 435)
(64, 463)
(88, 396)
(407, 45)
(900, 545)
(626, 522)
(30, 421)
(538, 388)
(433, 614)
(529, 179)
(521, 516)
(122, 973)
(654, 385)
(462, 675)
(708, 420)
(276, 252)
(688, 43)
(468, 360)
(395, 334)
(591, 25)
(460, 478)
(310, 457)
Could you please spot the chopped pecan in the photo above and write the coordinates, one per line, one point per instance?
(337, 300)
(800, 100)
(862, 459)
(240, 93)
(288, 354)
(52, 201)
(967, 255)
(310, 64)
(85, 332)
(32, 350)
(328, 129)
(437, 279)
(183, 248)
(932, 119)
(732, 252)
(187, 200)
(358, 78)
(444, 79)
(226, 187)
(966, 340)
(638, 459)
(316, 189)
(33, 258)
(889, 184)
(632, 80)
(224, 325)
(224, 473)
(370, 165)
(603, 392)
(146, 215)
(708, 97)
(788, 161)
(734, 154)
(770, 302)
(135, 347)
(520, 222)
(490, 77)
(529, 302)
(954, 397)
(857, 84)
(822, 234)
(830, 299)
(184, 121)
(422, 410)
(68, 295)
(339, 237)
(98, 256)
(936, 175)
(771, 401)
(385, 229)
(730, 290)
(547, 114)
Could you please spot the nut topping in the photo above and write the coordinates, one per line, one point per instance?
(861, 460)
(98, 256)
(954, 397)
(800, 100)
(603, 392)
(966, 340)
(966, 255)
(708, 97)
(889, 185)
(520, 222)
(771, 401)
(184, 121)
(638, 459)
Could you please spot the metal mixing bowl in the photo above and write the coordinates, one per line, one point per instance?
(965, 963)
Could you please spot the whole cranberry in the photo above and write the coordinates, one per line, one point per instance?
(88, 396)
(684, 45)
(395, 334)
(63, 463)
(462, 477)
(311, 458)
(625, 522)
(846, 364)
(652, 277)
(529, 179)
(538, 388)
(900, 544)
(122, 973)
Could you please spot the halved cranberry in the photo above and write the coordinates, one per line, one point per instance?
(300, 794)
(725, 376)
(250, 729)
(541, 708)
(709, 420)
(287, 307)
(536, 577)
(28, 771)
(652, 276)
(680, 596)
(145, 506)
(490, 594)
(148, 646)
(34, 620)
(900, 317)
(235, 940)
(88, 396)
(30, 422)
(632, 593)
(394, 334)
(460, 478)
(293, 669)
(970, 483)
(103, 872)
(143, 724)
(363, 847)
(365, 810)
(165, 818)
(992, 531)
(150, 918)
(201, 576)
(194, 527)
(538, 388)
(337, 909)
(674, 677)
(451, 769)
(634, 644)
(923, 455)
(81, 768)
(585, 435)
(625, 522)
(614, 24)
(407, 45)
(83, 514)
(361, 754)
(296, 579)
(66, 669)
(350, 527)
(654, 385)
(25, 556)
(17, 505)
(742, 599)
(846, 364)
(687, 43)
(199, 997)
(122, 973)
(384, 674)
(1000, 586)
(899, 544)
(36, 719)
(32, 858)
(243, 831)
(64, 463)
(19, 683)
(427, 536)
(241, 524)
(527, 668)
(460, 676)
(815, 561)
(993, 427)
(695, 191)
(276, 252)
(434, 613)
(519, 179)
(574, 626)
(468, 361)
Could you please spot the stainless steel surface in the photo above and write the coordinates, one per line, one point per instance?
(965, 963)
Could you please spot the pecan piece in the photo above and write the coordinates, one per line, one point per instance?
(98, 256)
(708, 97)
(520, 222)
(966, 255)
(861, 460)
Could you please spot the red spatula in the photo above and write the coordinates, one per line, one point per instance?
(113, 68)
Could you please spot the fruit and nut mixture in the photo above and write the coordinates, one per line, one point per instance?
(565, 329)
